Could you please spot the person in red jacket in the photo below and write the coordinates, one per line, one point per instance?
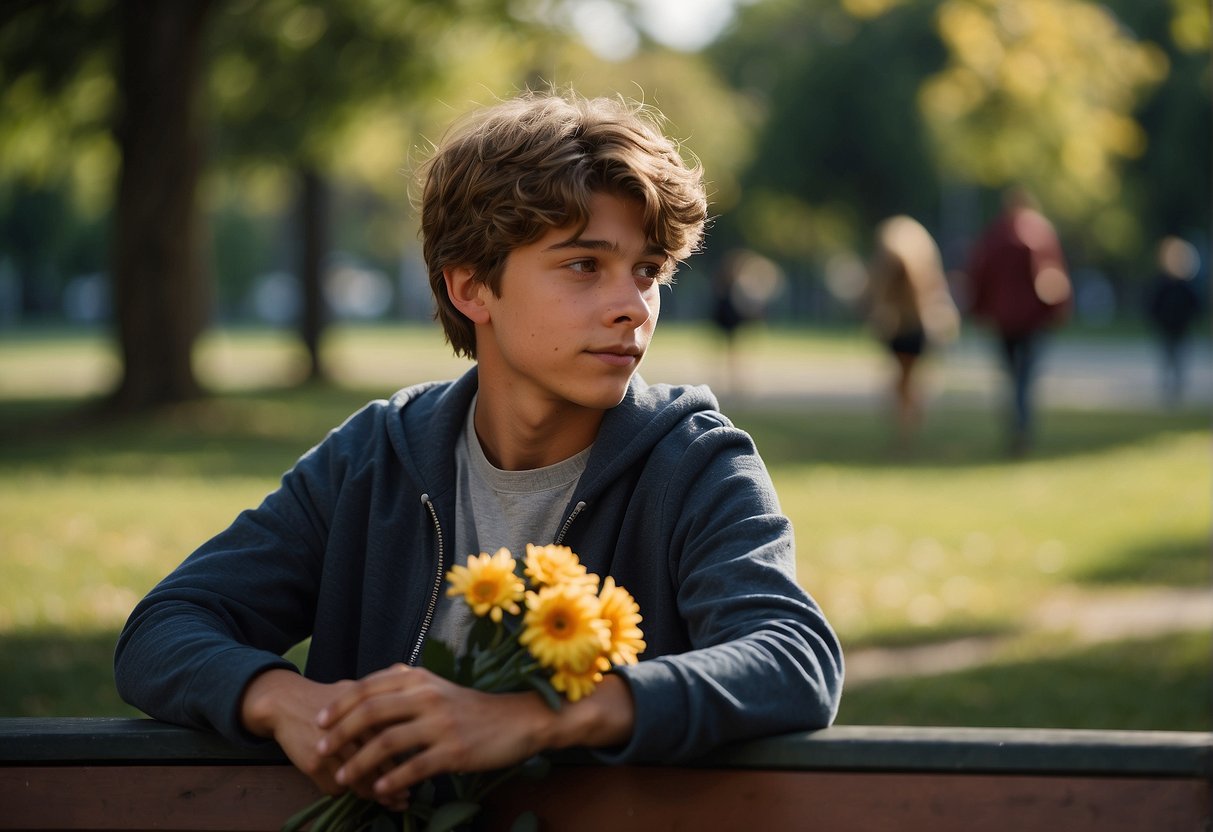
(1019, 287)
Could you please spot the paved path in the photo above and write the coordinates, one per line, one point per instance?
(1067, 616)
(1077, 373)
(1081, 373)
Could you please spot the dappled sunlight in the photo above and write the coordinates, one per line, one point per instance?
(975, 550)
(879, 585)
(1041, 91)
(1052, 681)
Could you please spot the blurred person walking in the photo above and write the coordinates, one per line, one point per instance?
(909, 309)
(743, 286)
(1172, 307)
(1020, 287)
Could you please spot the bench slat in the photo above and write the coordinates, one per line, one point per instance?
(108, 774)
(601, 799)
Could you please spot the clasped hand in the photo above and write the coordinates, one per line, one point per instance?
(399, 726)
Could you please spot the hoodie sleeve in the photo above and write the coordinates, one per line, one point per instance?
(764, 660)
(234, 606)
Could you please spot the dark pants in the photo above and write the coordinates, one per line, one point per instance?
(1019, 355)
(1172, 367)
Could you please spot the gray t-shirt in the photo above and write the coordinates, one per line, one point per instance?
(495, 508)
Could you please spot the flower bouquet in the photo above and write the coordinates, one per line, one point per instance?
(550, 626)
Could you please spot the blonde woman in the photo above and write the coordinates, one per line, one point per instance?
(909, 308)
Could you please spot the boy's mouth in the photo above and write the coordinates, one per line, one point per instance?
(618, 356)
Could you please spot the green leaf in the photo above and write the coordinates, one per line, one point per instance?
(482, 633)
(535, 768)
(528, 821)
(450, 815)
(425, 791)
(484, 662)
(437, 657)
(337, 812)
(382, 823)
(298, 820)
(550, 694)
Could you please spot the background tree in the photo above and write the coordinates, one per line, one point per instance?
(57, 153)
(321, 62)
(1043, 92)
(158, 280)
(842, 144)
(870, 107)
(135, 67)
(1170, 185)
(292, 80)
(814, 118)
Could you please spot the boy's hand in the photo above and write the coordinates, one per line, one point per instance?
(283, 705)
(417, 724)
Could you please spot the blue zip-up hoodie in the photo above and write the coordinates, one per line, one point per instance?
(351, 550)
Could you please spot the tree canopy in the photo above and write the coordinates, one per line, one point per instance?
(814, 119)
(875, 107)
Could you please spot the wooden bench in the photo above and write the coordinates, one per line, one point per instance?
(135, 774)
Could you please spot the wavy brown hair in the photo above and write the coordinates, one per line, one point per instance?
(506, 175)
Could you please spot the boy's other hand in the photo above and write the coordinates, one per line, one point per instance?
(417, 724)
(282, 705)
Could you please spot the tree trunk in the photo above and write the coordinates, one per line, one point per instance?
(313, 239)
(160, 293)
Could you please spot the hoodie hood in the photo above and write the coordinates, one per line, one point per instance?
(634, 427)
(429, 417)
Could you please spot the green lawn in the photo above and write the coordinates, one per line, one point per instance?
(900, 550)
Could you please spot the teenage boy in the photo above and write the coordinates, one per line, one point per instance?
(550, 224)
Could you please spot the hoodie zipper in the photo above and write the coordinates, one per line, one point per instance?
(565, 528)
(433, 604)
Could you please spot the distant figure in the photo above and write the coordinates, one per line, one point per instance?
(1019, 286)
(742, 288)
(909, 308)
(1172, 306)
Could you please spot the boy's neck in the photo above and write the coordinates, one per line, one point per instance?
(522, 436)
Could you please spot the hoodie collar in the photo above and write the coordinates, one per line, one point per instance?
(428, 427)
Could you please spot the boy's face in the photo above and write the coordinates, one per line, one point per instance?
(576, 312)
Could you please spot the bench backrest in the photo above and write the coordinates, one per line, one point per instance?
(141, 774)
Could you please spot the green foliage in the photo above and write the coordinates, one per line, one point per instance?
(1041, 93)
(842, 135)
(1168, 186)
(876, 107)
(288, 76)
(57, 95)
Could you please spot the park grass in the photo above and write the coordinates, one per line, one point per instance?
(951, 540)
(1156, 684)
(918, 551)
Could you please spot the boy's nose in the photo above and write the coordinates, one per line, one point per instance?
(629, 304)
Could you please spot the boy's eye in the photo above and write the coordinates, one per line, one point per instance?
(585, 266)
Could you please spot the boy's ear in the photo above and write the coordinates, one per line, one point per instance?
(466, 293)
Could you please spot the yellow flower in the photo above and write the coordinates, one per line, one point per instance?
(622, 614)
(575, 685)
(552, 565)
(562, 629)
(488, 584)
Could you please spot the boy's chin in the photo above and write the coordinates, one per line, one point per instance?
(603, 398)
